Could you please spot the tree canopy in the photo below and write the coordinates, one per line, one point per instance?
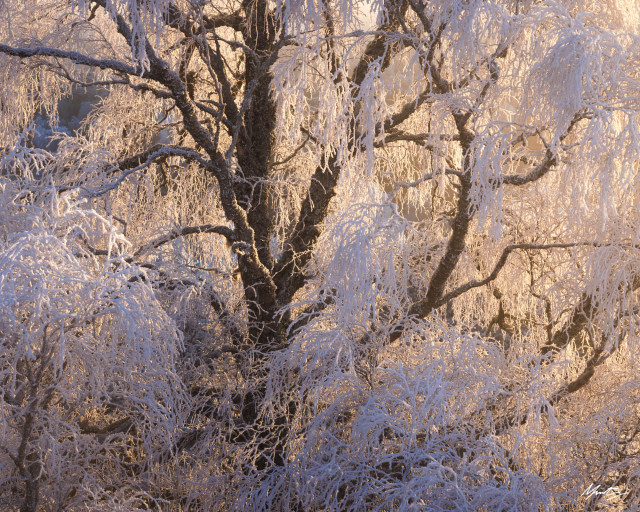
(324, 255)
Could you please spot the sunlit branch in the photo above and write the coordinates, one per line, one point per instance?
(409, 108)
(189, 230)
(460, 225)
(418, 8)
(576, 384)
(260, 290)
(538, 172)
(161, 72)
(598, 357)
(160, 151)
(503, 260)
(76, 57)
(293, 154)
(418, 138)
(145, 159)
(549, 161)
(312, 312)
(579, 318)
(288, 272)
(429, 176)
(158, 93)
(379, 46)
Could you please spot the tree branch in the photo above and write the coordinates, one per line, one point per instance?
(116, 427)
(160, 151)
(540, 170)
(154, 153)
(287, 272)
(212, 59)
(418, 138)
(501, 263)
(225, 231)
(415, 183)
(78, 58)
(293, 154)
(549, 160)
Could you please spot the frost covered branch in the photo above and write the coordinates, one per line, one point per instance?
(502, 260)
(76, 57)
(184, 231)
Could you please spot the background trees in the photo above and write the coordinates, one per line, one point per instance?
(330, 256)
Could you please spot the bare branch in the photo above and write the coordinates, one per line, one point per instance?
(233, 20)
(154, 153)
(158, 93)
(116, 427)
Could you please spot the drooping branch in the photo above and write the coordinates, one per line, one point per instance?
(293, 154)
(449, 261)
(465, 137)
(598, 357)
(514, 419)
(408, 109)
(63, 72)
(378, 47)
(313, 311)
(429, 176)
(579, 318)
(216, 66)
(538, 172)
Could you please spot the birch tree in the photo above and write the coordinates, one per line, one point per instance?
(323, 255)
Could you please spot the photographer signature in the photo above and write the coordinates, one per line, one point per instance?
(608, 493)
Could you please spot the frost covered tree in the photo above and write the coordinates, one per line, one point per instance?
(325, 255)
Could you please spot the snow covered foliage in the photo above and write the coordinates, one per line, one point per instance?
(87, 360)
(320, 255)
